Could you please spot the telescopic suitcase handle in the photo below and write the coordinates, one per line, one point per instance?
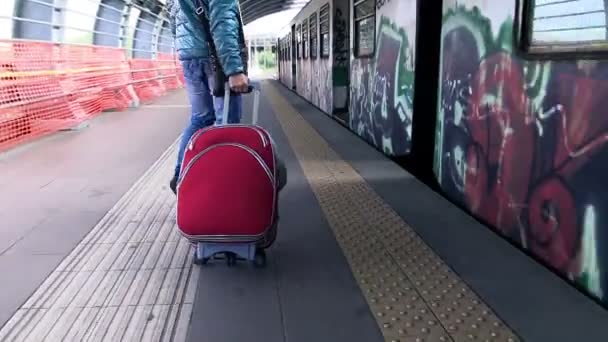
(256, 102)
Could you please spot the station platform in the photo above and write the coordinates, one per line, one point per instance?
(89, 250)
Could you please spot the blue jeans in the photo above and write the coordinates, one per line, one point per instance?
(199, 82)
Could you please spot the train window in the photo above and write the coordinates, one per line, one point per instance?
(558, 25)
(305, 38)
(312, 21)
(299, 41)
(365, 27)
(324, 30)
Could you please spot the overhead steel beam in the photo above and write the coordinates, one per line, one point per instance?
(158, 28)
(33, 20)
(124, 26)
(260, 13)
(109, 20)
(255, 9)
(58, 20)
(286, 2)
(144, 34)
(165, 43)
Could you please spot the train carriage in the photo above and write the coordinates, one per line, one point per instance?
(521, 131)
(500, 103)
(311, 76)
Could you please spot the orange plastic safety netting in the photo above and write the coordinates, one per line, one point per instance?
(45, 87)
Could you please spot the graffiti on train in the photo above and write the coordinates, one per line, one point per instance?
(322, 86)
(304, 78)
(381, 3)
(382, 91)
(314, 82)
(522, 145)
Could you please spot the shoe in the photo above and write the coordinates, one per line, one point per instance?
(173, 185)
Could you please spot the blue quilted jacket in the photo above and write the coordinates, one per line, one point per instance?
(190, 37)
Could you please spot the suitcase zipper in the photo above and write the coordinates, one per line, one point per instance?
(248, 149)
(201, 131)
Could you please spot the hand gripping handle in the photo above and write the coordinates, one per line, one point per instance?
(256, 102)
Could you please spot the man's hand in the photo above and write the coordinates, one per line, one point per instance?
(239, 83)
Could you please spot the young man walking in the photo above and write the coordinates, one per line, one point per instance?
(192, 42)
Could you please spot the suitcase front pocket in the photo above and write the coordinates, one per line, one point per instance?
(227, 192)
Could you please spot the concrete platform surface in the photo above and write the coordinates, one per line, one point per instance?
(55, 190)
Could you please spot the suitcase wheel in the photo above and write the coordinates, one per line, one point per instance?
(260, 258)
(199, 261)
(230, 259)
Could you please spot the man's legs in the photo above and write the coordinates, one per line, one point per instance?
(203, 114)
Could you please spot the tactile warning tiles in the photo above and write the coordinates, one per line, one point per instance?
(130, 279)
(412, 293)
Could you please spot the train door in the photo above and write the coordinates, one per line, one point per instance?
(293, 57)
(341, 59)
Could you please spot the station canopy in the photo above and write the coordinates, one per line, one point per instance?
(256, 9)
(252, 10)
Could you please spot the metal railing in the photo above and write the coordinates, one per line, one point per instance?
(116, 23)
(69, 60)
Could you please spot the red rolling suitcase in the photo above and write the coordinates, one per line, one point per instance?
(227, 193)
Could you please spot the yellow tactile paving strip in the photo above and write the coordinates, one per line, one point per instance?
(130, 279)
(412, 293)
